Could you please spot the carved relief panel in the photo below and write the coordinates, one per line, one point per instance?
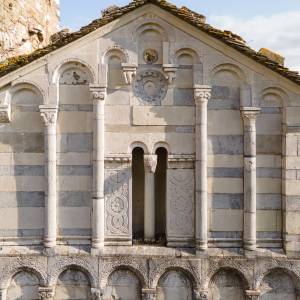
(180, 206)
(117, 189)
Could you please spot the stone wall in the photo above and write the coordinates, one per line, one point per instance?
(26, 25)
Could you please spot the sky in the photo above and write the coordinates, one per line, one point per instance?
(273, 24)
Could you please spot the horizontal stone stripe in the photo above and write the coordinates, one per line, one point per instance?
(74, 183)
(74, 159)
(269, 124)
(269, 220)
(269, 201)
(75, 170)
(226, 172)
(225, 161)
(225, 234)
(271, 110)
(225, 92)
(22, 183)
(225, 185)
(26, 108)
(227, 201)
(269, 173)
(22, 218)
(226, 220)
(76, 107)
(75, 142)
(23, 170)
(269, 161)
(226, 104)
(269, 144)
(22, 233)
(75, 199)
(74, 217)
(22, 199)
(75, 232)
(29, 159)
(225, 144)
(25, 142)
(268, 186)
(276, 235)
(184, 96)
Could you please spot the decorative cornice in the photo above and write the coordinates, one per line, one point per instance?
(98, 92)
(49, 114)
(118, 158)
(129, 72)
(202, 93)
(150, 162)
(181, 161)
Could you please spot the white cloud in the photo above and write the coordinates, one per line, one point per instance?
(279, 32)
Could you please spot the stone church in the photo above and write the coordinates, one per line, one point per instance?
(149, 156)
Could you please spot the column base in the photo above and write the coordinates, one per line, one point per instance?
(201, 245)
(250, 245)
(96, 244)
(49, 242)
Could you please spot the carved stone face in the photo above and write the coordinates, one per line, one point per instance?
(150, 87)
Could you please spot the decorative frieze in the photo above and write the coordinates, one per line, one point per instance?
(181, 161)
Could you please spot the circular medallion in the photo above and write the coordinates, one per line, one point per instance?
(150, 86)
(150, 56)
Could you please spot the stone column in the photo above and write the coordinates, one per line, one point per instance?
(49, 116)
(202, 94)
(252, 295)
(46, 293)
(98, 94)
(249, 116)
(3, 292)
(149, 294)
(150, 163)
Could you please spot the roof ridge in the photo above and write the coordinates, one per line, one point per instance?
(195, 19)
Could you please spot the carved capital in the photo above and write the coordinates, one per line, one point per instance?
(200, 294)
(49, 114)
(98, 92)
(96, 294)
(170, 71)
(46, 293)
(129, 72)
(150, 163)
(252, 295)
(249, 114)
(202, 93)
(149, 294)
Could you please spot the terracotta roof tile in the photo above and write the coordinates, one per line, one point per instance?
(183, 13)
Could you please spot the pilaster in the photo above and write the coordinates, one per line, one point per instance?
(150, 163)
(98, 93)
(49, 116)
(249, 115)
(202, 94)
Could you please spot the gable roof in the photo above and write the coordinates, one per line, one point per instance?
(183, 13)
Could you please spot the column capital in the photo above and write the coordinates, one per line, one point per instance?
(250, 113)
(96, 294)
(49, 114)
(200, 294)
(98, 91)
(149, 294)
(129, 72)
(202, 93)
(150, 162)
(46, 292)
(252, 295)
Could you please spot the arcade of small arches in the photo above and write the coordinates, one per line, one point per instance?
(128, 283)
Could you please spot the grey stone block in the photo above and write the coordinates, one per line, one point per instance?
(292, 203)
(227, 201)
(225, 234)
(75, 142)
(225, 144)
(269, 173)
(274, 235)
(269, 201)
(22, 233)
(75, 199)
(269, 144)
(22, 199)
(271, 110)
(75, 107)
(226, 172)
(75, 170)
(21, 170)
(184, 96)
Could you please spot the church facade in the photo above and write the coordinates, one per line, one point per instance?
(149, 156)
